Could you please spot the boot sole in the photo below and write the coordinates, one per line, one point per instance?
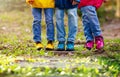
(49, 49)
(60, 49)
(39, 49)
(88, 48)
(69, 49)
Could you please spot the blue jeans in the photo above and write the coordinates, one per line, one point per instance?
(72, 24)
(37, 14)
(90, 22)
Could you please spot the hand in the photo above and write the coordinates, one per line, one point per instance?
(31, 1)
(75, 3)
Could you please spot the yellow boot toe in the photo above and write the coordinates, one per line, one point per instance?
(50, 45)
(39, 46)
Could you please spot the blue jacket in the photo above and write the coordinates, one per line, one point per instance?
(65, 4)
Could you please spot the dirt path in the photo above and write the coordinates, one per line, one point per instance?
(18, 28)
(111, 30)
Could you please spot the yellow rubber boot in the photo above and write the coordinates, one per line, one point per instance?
(50, 45)
(39, 46)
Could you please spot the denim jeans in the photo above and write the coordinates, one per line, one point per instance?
(37, 14)
(72, 24)
(91, 23)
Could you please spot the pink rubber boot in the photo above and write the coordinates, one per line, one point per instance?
(89, 45)
(99, 41)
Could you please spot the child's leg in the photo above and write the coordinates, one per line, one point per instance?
(94, 22)
(60, 29)
(72, 23)
(50, 25)
(60, 25)
(86, 14)
(37, 24)
(73, 26)
(94, 26)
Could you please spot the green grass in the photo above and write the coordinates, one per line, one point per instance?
(17, 46)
